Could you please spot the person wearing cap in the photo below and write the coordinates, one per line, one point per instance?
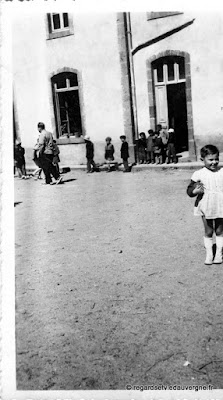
(109, 152)
(125, 153)
(171, 146)
(90, 155)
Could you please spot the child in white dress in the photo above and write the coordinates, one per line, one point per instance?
(207, 185)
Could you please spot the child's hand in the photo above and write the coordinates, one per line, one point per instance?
(199, 188)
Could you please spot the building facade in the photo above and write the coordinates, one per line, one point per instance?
(119, 73)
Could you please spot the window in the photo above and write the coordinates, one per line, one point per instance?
(161, 14)
(169, 70)
(59, 25)
(67, 104)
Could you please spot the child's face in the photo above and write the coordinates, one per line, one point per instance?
(211, 161)
(123, 140)
(108, 141)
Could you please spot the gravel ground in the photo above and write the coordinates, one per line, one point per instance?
(111, 288)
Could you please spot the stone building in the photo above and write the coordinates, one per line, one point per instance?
(118, 73)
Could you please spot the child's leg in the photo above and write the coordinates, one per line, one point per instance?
(219, 240)
(208, 240)
(19, 171)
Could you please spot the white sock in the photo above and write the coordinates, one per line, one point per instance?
(219, 246)
(208, 243)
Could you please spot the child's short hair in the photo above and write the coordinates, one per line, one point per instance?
(108, 138)
(122, 137)
(209, 149)
(41, 125)
(150, 131)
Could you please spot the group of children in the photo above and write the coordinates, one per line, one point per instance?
(159, 147)
(206, 183)
(109, 154)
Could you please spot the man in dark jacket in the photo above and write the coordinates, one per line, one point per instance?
(125, 153)
(90, 155)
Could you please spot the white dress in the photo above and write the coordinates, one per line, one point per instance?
(211, 204)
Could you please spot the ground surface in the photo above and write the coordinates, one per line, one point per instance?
(111, 288)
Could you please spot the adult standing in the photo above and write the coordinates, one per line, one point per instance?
(46, 155)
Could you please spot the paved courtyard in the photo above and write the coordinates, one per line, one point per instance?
(111, 289)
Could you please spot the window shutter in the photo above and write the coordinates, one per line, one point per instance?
(161, 105)
(49, 23)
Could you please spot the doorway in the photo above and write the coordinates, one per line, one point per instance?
(169, 80)
(177, 114)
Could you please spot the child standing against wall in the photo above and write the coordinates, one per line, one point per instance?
(150, 147)
(158, 148)
(109, 152)
(141, 148)
(125, 153)
(90, 155)
(171, 147)
(207, 185)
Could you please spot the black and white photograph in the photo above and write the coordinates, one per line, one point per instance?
(113, 282)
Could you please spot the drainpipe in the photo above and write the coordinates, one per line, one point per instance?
(127, 19)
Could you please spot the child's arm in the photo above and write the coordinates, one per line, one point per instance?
(195, 188)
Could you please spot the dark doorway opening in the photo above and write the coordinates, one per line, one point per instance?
(177, 114)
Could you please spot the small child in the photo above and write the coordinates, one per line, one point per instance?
(171, 147)
(125, 153)
(56, 158)
(158, 148)
(37, 161)
(150, 147)
(20, 163)
(141, 148)
(90, 155)
(207, 185)
(109, 152)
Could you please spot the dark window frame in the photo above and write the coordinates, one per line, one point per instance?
(56, 91)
